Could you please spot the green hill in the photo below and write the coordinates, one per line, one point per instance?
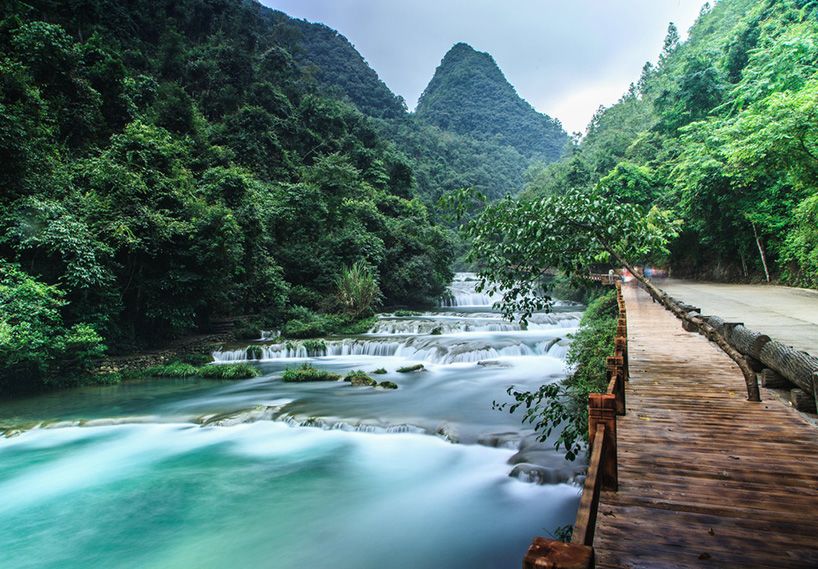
(470, 95)
(337, 65)
(722, 131)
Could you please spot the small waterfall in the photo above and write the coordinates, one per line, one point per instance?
(389, 325)
(462, 293)
(431, 349)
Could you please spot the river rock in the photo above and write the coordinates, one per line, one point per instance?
(536, 474)
(493, 363)
(500, 440)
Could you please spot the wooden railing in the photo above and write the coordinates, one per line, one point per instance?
(602, 465)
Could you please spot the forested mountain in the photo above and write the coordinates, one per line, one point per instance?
(470, 95)
(337, 65)
(166, 162)
(723, 131)
(442, 158)
(443, 161)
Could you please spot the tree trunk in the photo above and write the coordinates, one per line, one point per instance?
(743, 264)
(761, 252)
(750, 378)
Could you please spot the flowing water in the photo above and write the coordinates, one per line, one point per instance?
(262, 474)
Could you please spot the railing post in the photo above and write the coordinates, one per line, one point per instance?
(552, 554)
(602, 410)
(616, 381)
(621, 348)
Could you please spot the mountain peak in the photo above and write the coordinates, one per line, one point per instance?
(470, 95)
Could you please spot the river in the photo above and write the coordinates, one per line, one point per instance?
(176, 474)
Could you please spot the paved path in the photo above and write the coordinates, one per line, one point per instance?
(789, 315)
(706, 478)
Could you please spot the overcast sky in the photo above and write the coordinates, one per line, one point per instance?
(565, 57)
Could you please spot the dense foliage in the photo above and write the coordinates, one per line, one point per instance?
(469, 95)
(564, 405)
(445, 161)
(338, 66)
(165, 163)
(37, 346)
(516, 241)
(723, 131)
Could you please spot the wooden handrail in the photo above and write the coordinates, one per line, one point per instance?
(602, 467)
(589, 503)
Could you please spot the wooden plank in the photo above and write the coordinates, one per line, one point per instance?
(706, 478)
(589, 504)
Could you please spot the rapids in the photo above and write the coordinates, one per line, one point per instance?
(175, 474)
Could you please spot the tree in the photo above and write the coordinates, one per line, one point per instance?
(514, 242)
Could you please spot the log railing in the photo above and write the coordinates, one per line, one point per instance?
(602, 466)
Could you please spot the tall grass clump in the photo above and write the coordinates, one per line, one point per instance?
(357, 290)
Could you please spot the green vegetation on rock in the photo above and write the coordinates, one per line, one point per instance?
(229, 371)
(388, 385)
(254, 352)
(307, 373)
(411, 368)
(360, 378)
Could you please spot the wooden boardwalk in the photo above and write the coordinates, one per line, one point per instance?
(706, 478)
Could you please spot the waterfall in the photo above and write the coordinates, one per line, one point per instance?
(448, 349)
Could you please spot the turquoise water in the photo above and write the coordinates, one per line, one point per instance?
(221, 475)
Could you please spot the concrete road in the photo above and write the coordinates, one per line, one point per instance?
(789, 315)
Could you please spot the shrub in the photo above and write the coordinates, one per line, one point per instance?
(307, 373)
(358, 291)
(247, 331)
(229, 371)
(306, 324)
(355, 327)
(410, 369)
(302, 329)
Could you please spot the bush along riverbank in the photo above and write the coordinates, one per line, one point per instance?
(563, 405)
